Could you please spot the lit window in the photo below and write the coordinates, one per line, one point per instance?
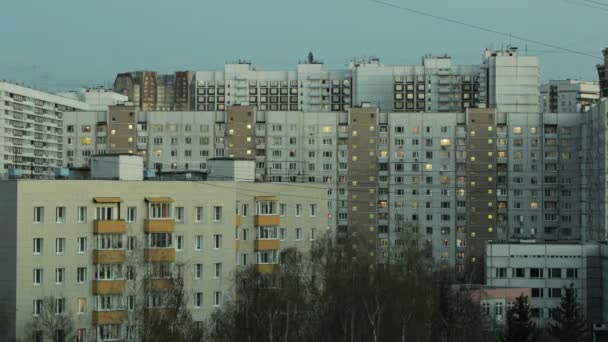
(533, 205)
(445, 142)
(428, 167)
(86, 141)
(113, 132)
(517, 130)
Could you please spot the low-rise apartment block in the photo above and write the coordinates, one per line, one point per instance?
(105, 250)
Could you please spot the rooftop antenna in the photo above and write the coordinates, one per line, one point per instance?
(311, 58)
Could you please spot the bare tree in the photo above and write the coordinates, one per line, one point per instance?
(53, 322)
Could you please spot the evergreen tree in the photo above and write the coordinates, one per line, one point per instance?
(570, 321)
(520, 327)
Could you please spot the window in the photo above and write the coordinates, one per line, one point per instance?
(313, 210)
(160, 210)
(198, 214)
(131, 214)
(282, 209)
(38, 272)
(217, 241)
(131, 302)
(198, 299)
(81, 275)
(217, 270)
(38, 244)
(39, 214)
(159, 240)
(536, 273)
(313, 232)
(104, 213)
(198, 271)
(518, 272)
(37, 307)
(244, 234)
(109, 332)
(198, 242)
(60, 214)
(571, 273)
(217, 213)
(245, 210)
(179, 214)
(59, 306)
(81, 305)
(538, 292)
(498, 309)
(217, 298)
(298, 234)
(244, 259)
(282, 234)
(298, 210)
(555, 292)
(82, 245)
(60, 245)
(555, 273)
(180, 243)
(501, 272)
(82, 214)
(130, 272)
(131, 243)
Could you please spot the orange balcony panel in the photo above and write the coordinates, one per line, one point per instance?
(109, 256)
(159, 255)
(109, 286)
(159, 284)
(156, 314)
(267, 245)
(267, 268)
(267, 220)
(238, 221)
(237, 245)
(159, 226)
(109, 317)
(110, 227)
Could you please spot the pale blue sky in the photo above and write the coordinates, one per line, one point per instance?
(65, 44)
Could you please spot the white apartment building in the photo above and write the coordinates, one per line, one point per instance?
(546, 268)
(568, 96)
(106, 250)
(31, 130)
(97, 98)
(505, 80)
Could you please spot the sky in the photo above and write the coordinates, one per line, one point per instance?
(67, 44)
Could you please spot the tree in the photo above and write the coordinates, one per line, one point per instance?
(571, 325)
(53, 322)
(520, 327)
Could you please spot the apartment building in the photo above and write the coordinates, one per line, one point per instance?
(106, 250)
(602, 71)
(457, 180)
(568, 96)
(546, 268)
(150, 90)
(97, 98)
(31, 130)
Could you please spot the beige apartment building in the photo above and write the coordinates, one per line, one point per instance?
(105, 251)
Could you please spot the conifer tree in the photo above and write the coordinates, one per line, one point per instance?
(570, 324)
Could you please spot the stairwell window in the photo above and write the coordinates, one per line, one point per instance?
(179, 214)
(38, 214)
(217, 213)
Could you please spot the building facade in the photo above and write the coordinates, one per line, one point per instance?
(455, 179)
(149, 90)
(568, 96)
(106, 250)
(546, 269)
(31, 130)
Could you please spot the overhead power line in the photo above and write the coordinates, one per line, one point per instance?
(485, 29)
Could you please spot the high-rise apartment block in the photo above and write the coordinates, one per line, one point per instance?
(568, 96)
(106, 250)
(602, 71)
(31, 129)
(456, 179)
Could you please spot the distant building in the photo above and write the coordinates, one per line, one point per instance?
(495, 301)
(568, 96)
(31, 130)
(106, 248)
(98, 99)
(149, 90)
(546, 268)
(602, 71)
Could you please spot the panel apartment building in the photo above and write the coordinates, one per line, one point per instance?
(105, 250)
(453, 178)
(31, 129)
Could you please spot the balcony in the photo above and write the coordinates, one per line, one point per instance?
(267, 268)
(159, 226)
(159, 284)
(267, 220)
(109, 317)
(109, 286)
(109, 256)
(267, 245)
(110, 227)
(159, 255)
(238, 221)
